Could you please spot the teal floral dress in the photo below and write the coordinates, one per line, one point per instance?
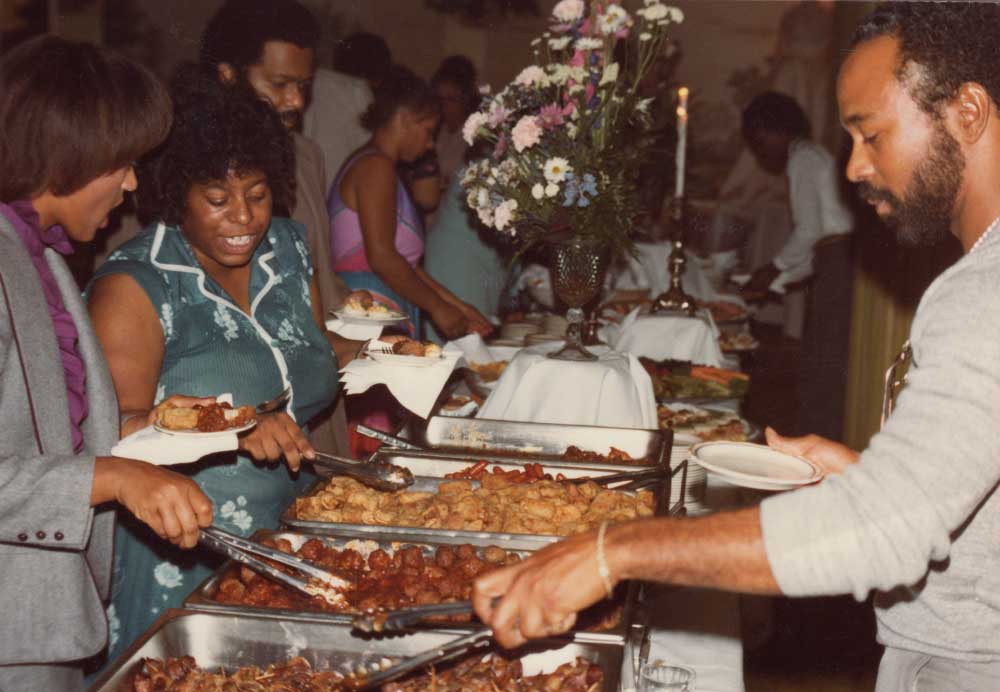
(211, 347)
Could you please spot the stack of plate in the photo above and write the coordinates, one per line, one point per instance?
(696, 476)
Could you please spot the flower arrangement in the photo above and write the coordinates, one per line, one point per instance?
(569, 133)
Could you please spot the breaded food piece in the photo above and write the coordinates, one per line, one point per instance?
(175, 418)
(408, 347)
(361, 297)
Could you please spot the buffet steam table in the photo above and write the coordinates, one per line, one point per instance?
(693, 627)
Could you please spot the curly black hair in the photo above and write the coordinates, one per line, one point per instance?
(776, 112)
(401, 88)
(236, 34)
(217, 128)
(953, 43)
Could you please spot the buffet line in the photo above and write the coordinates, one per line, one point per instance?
(479, 495)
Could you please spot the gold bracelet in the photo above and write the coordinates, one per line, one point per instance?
(602, 560)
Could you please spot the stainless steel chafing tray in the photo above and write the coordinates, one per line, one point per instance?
(546, 441)
(203, 597)
(229, 642)
(507, 541)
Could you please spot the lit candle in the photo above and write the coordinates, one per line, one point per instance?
(682, 126)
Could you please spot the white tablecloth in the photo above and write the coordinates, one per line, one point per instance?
(613, 391)
(698, 628)
(662, 337)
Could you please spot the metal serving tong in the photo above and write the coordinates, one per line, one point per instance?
(439, 654)
(379, 474)
(633, 479)
(320, 583)
(405, 618)
(388, 439)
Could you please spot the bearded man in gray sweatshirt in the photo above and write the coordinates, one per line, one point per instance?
(915, 517)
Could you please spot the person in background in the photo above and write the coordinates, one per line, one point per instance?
(456, 85)
(365, 56)
(376, 234)
(74, 117)
(333, 119)
(217, 295)
(776, 132)
(341, 95)
(912, 518)
(269, 45)
(481, 274)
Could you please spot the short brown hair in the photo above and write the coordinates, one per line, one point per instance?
(72, 112)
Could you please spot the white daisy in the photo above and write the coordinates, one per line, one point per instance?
(556, 169)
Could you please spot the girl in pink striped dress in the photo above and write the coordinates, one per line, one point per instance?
(376, 233)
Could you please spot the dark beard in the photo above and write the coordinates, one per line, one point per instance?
(923, 217)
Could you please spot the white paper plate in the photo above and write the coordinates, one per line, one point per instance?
(199, 433)
(755, 466)
(348, 318)
(399, 359)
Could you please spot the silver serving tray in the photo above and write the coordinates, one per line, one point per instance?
(507, 541)
(218, 640)
(203, 597)
(546, 441)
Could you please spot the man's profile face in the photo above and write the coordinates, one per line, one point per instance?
(905, 162)
(283, 78)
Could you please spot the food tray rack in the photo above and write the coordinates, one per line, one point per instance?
(218, 640)
(203, 597)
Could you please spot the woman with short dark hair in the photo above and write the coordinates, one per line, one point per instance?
(73, 118)
(377, 236)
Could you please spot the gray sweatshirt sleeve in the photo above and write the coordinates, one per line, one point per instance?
(881, 523)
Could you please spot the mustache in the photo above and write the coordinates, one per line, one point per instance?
(872, 194)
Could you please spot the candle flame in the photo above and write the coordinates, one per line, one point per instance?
(682, 112)
(683, 92)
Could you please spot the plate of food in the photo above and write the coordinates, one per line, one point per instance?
(409, 352)
(725, 311)
(755, 466)
(205, 421)
(684, 380)
(738, 342)
(705, 424)
(488, 374)
(362, 308)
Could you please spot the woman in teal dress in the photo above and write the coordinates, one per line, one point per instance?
(215, 296)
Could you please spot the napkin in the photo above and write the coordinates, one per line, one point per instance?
(475, 350)
(360, 332)
(614, 391)
(416, 388)
(164, 449)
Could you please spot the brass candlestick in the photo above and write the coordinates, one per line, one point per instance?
(675, 300)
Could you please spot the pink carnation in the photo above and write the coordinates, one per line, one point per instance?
(551, 116)
(526, 133)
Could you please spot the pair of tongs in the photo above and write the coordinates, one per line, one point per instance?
(632, 479)
(439, 654)
(377, 474)
(405, 618)
(320, 582)
(388, 439)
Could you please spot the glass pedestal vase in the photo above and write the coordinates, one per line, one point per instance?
(577, 267)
